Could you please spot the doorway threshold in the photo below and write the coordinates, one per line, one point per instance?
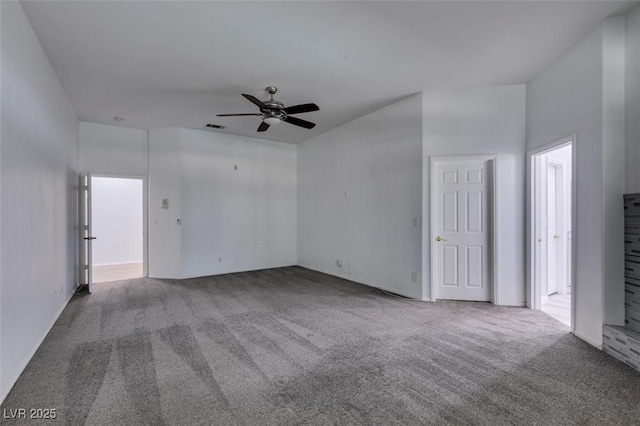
(125, 271)
(559, 308)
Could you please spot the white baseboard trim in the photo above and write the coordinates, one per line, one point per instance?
(349, 278)
(235, 271)
(14, 379)
(333, 274)
(213, 274)
(587, 339)
(157, 277)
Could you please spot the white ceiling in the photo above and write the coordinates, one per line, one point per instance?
(161, 64)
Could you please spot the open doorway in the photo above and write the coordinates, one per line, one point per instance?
(552, 200)
(117, 219)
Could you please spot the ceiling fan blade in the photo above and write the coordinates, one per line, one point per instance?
(299, 109)
(233, 115)
(263, 127)
(299, 122)
(257, 102)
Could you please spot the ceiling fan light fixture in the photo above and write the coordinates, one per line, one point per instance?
(272, 119)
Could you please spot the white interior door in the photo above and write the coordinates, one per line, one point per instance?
(552, 231)
(86, 236)
(460, 222)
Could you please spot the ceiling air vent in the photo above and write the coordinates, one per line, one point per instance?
(214, 126)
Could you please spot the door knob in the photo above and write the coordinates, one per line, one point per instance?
(439, 238)
(90, 238)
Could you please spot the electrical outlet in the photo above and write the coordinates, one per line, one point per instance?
(219, 260)
(339, 263)
(414, 277)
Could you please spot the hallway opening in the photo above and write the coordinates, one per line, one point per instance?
(552, 200)
(117, 206)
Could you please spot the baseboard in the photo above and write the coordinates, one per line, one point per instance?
(14, 380)
(230, 271)
(587, 339)
(348, 278)
(332, 273)
(235, 271)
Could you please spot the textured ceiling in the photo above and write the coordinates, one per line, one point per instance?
(160, 64)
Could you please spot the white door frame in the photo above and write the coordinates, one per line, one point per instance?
(534, 289)
(145, 215)
(493, 212)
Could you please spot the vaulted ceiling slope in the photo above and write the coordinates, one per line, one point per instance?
(161, 64)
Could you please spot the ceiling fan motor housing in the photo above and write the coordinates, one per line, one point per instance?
(273, 105)
(274, 111)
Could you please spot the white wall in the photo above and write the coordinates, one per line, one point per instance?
(359, 191)
(566, 98)
(632, 121)
(111, 150)
(117, 221)
(238, 203)
(613, 168)
(165, 257)
(235, 197)
(489, 120)
(39, 169)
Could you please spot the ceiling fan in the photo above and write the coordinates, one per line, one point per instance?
(274, 112)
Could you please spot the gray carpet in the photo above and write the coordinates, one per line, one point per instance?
(292, 346)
